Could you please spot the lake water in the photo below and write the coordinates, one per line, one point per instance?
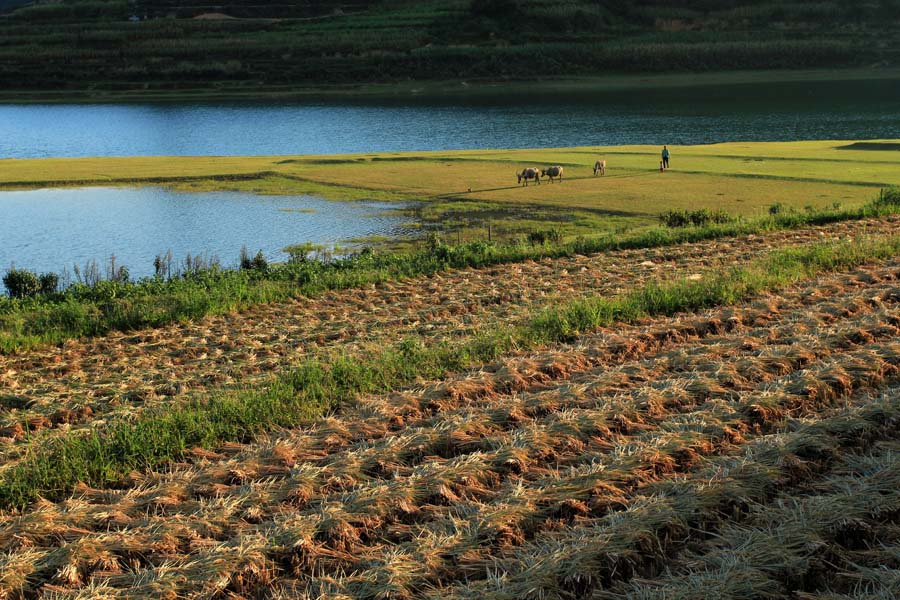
(49, 230)
(762, 112)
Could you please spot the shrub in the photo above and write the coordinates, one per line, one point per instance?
(543, 236)
(90, 276)
(198, 264)
(115, 272)
(257, 263)
(777, 209)
(245, 261)
(162, 265)
(699, 217)
(433, 241)
(720, 217)
(49, 283)
(21, 283)
(299, 253)
(121, 275)
(442, 252)
(537, 237)
(260, 263)
(675, 218)
(888, 197)
(436, 247)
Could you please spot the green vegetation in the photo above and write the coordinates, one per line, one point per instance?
(21, 283)
(106, 455)
(702, 216)
(781, 268)
(91, 47)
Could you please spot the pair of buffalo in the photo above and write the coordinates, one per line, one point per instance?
(536, 174)
(553, 172)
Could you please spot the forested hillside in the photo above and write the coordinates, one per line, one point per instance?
(106, 45)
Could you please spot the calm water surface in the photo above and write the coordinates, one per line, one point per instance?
(778, 111)
(49, 230)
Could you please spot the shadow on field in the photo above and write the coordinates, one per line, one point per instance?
(543, 212)
(870, 146)
(599, 178)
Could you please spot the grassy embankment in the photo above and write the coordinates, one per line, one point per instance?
(322, 383)
(811, 181)
(83, 49)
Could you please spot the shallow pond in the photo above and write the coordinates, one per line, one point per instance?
(49, 230)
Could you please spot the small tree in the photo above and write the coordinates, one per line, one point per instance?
(259, 262)
(433, 241)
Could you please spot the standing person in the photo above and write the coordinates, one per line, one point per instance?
(665, 157)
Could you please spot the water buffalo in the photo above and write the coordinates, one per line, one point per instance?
(551, 172)
(528, 173)
(600, 167)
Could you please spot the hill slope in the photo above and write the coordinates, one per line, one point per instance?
(93, 44)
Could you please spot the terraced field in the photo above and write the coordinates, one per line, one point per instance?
(745, 451)
(122, 373)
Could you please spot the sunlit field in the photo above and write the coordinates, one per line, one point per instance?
(652, 412)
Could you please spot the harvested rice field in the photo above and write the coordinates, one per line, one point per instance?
(122, 373)
(742, 451)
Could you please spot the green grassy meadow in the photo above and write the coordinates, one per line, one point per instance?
(461, 192)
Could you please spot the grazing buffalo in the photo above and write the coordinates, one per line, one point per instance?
(551, 172)
(529, 173)
(600, 167)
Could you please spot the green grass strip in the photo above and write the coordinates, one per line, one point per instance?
(89, 311)
(778, 269)
(105, 456)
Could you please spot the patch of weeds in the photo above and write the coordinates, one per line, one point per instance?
(697, 218)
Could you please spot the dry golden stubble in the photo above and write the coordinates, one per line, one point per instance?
(213, 336)
(652, 456)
